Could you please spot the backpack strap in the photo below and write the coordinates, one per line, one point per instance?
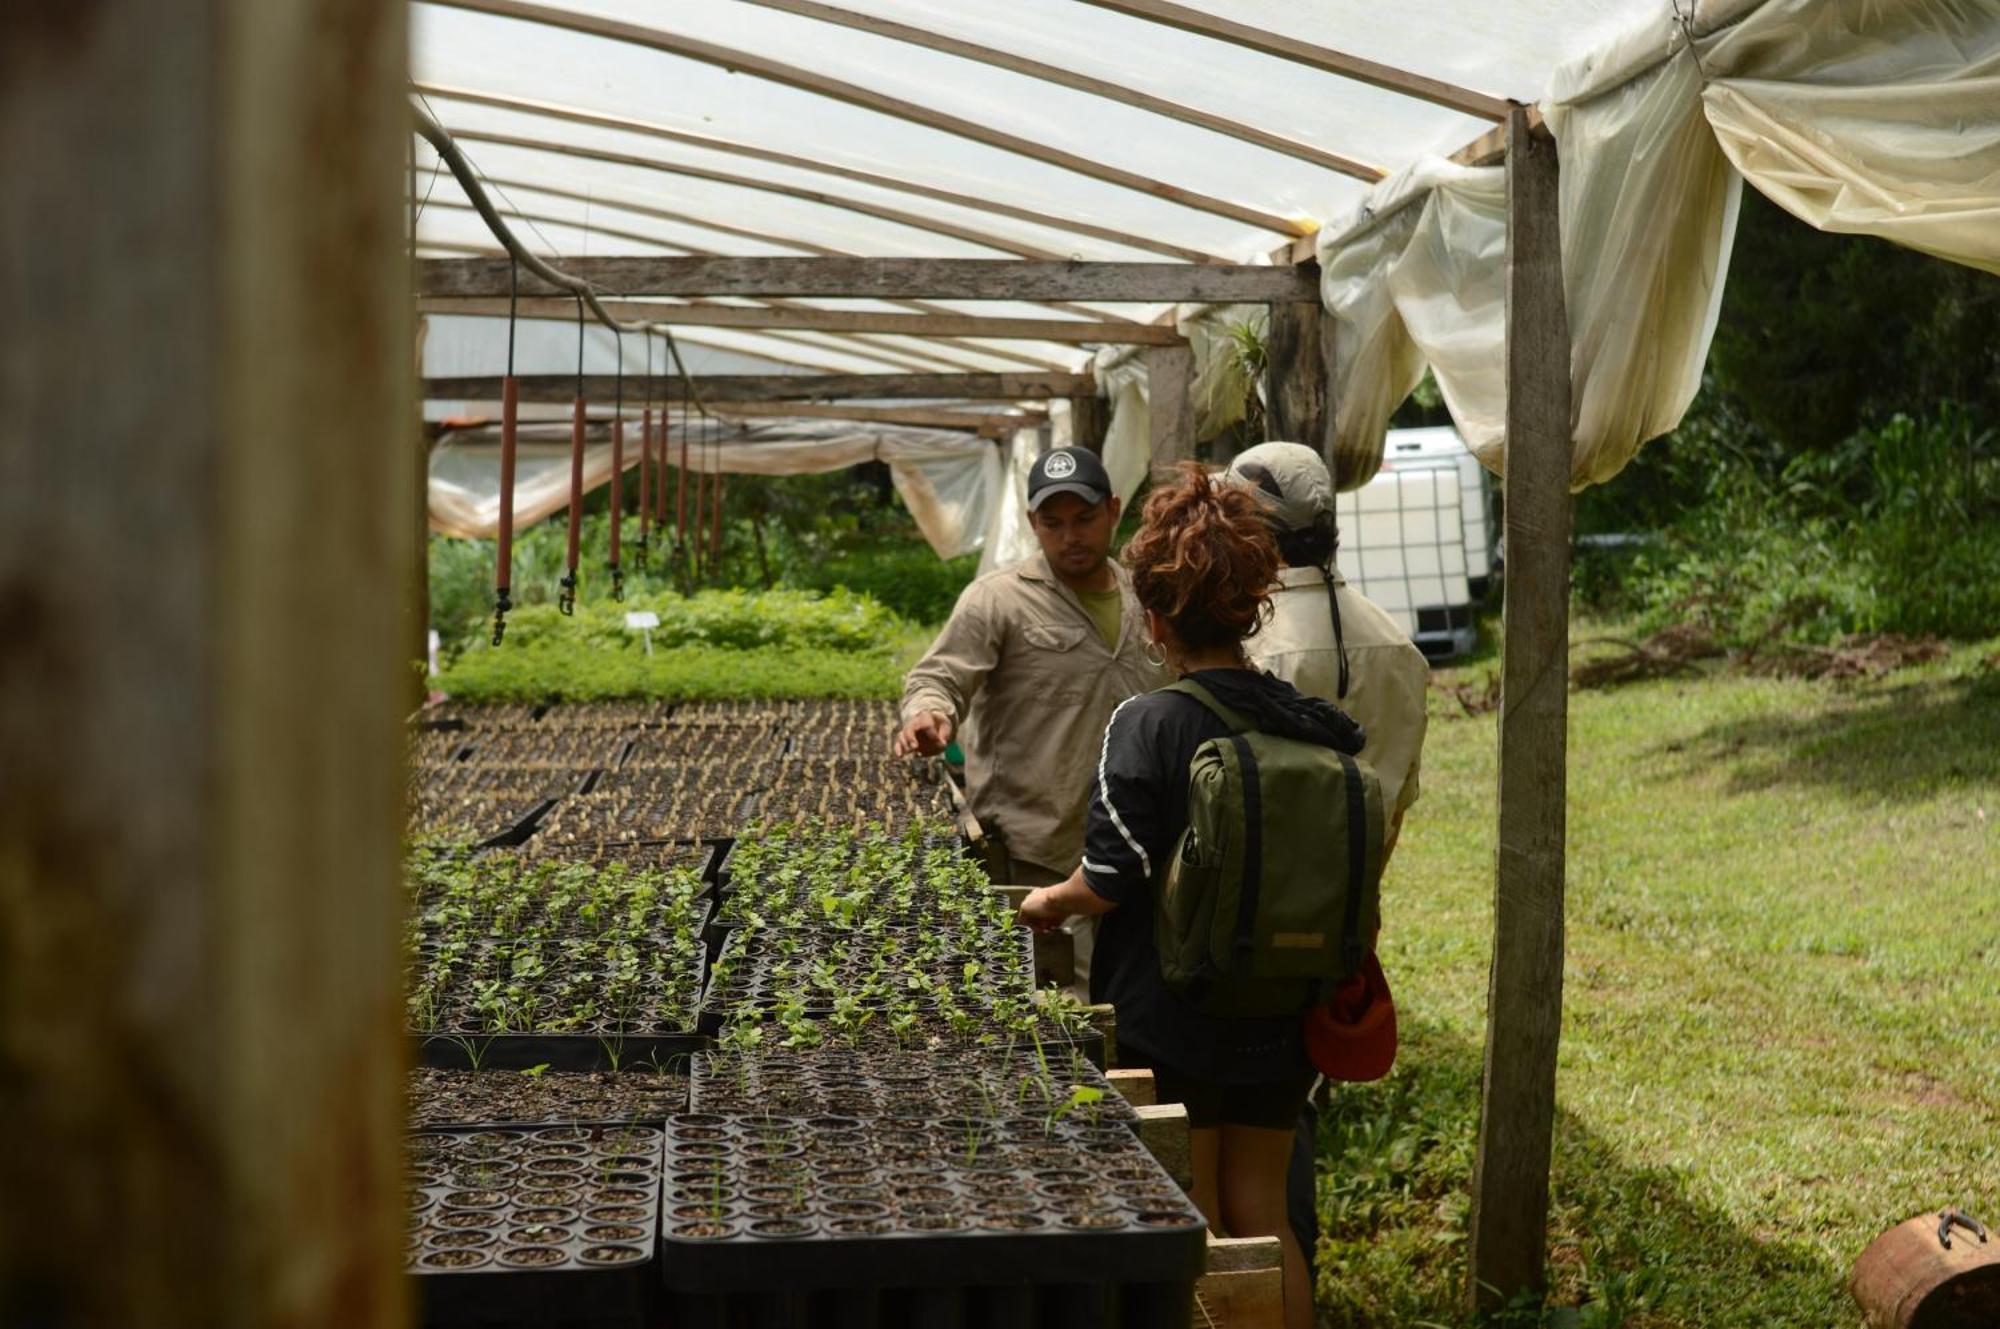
(1244, 939)
(1351, 949)
(1237, 722)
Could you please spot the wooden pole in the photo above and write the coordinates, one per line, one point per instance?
(1298, 406)
(1088, 419)
(1510, 1187)
(201, 786)
(1170, 405)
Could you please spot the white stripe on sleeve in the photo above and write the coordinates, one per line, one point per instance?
(1104, 792)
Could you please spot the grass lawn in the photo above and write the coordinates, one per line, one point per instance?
(1781, 1023)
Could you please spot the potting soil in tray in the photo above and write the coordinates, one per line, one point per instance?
(761, 1203)
(480, 819)
(548, 1097)
(671, 814)
(1052, 1081)
(655, 855)
(853, 977)
(515, 964)
(534, 1227)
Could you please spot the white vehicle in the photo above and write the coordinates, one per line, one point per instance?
(1417, 539)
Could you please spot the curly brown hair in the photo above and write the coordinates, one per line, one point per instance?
(1204, 559)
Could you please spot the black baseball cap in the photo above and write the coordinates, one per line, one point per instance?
(1068, 471)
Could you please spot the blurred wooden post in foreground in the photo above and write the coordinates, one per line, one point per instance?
(203, 306)
(1510, 1183)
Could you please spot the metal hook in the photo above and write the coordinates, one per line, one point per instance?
(501, 604)
(1952, 1216)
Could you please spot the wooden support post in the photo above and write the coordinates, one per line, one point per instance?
(1134, 1086)
(1298, 376)
(201, 787)
(1170, 404)
(1510, 1189)
(1089, 417)
(1163, 1129)
(1244, 1287)
(1103, 1017)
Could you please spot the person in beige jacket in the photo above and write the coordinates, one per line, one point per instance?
(1027, 671)
(1329, 640)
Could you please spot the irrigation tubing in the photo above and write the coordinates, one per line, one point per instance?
(646, 455)
(566, 602)
(618, 472)
(510, 410)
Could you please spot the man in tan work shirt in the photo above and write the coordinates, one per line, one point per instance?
(1027, 671)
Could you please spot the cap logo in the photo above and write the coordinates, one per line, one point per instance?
(1059, 466)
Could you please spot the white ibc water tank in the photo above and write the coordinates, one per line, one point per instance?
(1440, 448)
(1402, 544)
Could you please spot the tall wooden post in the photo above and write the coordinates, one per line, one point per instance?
(203, 668)
(1089, 417)
(1170, 404)
(1510, 1185)
(1298, 378)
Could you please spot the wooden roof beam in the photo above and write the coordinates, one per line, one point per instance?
(1323, 58)
(1069, 78)
(775, 71)
(802, 319)
(646, 210)
(890, 278)
(736, 148)
(775, 387)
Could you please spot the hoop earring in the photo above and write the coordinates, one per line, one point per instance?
(1155, 655)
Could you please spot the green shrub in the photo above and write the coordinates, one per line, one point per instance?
(1895, 530)
(911, 580)
(714, 644)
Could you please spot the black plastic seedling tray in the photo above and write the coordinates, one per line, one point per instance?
(550, 1227)
(785, 1221)
(987, 1082)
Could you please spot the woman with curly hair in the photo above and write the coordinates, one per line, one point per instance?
(1201, 563)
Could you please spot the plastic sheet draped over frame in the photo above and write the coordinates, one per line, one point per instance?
(1854, 115)
(948, 479)
(1858, 116)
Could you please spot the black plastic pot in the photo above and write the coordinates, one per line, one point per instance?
(506, 1252)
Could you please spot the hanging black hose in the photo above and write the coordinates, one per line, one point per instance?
(646, 456)
(618, 471)
(566, 601)
(510, 405)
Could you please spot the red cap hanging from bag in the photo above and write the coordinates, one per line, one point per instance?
(1353, 1036)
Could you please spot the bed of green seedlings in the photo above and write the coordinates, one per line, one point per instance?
(814, 873)
(496, 945)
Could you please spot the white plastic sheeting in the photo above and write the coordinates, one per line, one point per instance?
(1855, 115)
(948, 479)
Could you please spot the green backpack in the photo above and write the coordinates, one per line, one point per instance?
(1272, 896)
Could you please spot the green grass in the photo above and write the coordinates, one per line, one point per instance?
(1781, 1025)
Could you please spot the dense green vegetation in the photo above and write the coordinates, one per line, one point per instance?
(710, 645)
(1778, 1027)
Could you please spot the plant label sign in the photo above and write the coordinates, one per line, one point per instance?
(642, 620)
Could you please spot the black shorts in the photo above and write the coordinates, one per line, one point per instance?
(1271, 1105)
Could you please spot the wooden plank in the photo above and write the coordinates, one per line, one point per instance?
(1070, 78)
(855, 94)
(986, 422)
(1163, 1129)
(754, 152)
(1510, 1191)
(1265, 42)
(890, 278)
(1298, 377)
(1135, 1086)
(1242, 1255)
(201, 779)
(1251, 1300)
(1170, 404)
(772, 387)
(801, 318)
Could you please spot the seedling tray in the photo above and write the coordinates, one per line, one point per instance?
(1014, 1082)
(544, 1227)
(803, 1204)
(506, 1100)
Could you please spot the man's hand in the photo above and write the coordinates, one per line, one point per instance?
(1041, 911)
(925, 735)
